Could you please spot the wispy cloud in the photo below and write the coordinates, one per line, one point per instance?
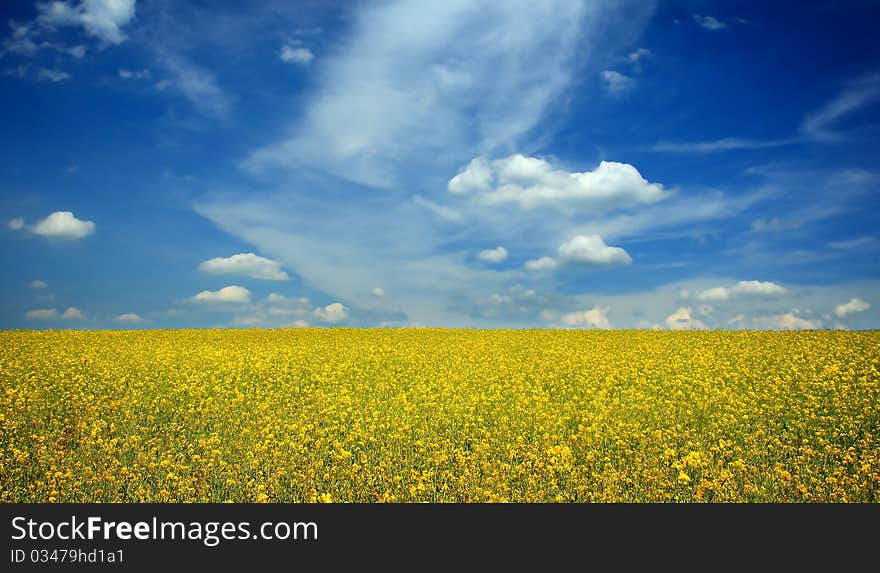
(195, 83)
(135, 74)
(413, 84)
(726, 144)
(617, 83)
(709, 22)
(818, 126)
(54, 76)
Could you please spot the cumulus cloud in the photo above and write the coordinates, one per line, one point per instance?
(38, 284)
(247, 265)
(380, 292)
(854, 306)
(530, 182)
(683, 319)
(129, 318)
(496, 255)
(592, 250)
(276, 310)
(596, 317)
(709, 22)
(332, 313)
(41, 314)
(542, 264)
(73, 313)
(228, 294)
(16, 224)
(742, 289)
(617, 83)
(296, 55)
(787, 321)
(103, 19)
(476, 177)
(63, 225)
(278, 299)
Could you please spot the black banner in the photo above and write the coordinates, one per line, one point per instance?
(136, 537)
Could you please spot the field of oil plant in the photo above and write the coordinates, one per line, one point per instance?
(433, 415)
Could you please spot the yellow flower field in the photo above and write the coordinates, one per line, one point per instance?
(431, 415)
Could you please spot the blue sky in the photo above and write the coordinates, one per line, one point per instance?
(460, 164)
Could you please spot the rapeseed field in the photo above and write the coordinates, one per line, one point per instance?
(434, 415)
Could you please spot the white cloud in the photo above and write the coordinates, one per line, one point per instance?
(542, 264)
(683, 319)
(295, 55)
(855, 305)
(299, 324)
(247, 265)
(592, 250)
(73, 313)
(742, 289)
(380, 292)
(38, 284)
(636, 56)
(597, 317)
(332, 313)
(787, 321)
(16, 224)
(816, 126)
(759, 288)
(195, 83)
(709, 22)
(737, 322)
(41, 314)
(231, 294)
(532, 182)
(63, 225)
(418, 83)
(54, 76)
(617, 83)
(415, 92)
(476, 177)
(129, 318)
(856, 95)
(725, 144)
(496, 255)
(103, 19)
(866, 242)
(443, 212)
(135, 74)
(274, 311)
(278, 299)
